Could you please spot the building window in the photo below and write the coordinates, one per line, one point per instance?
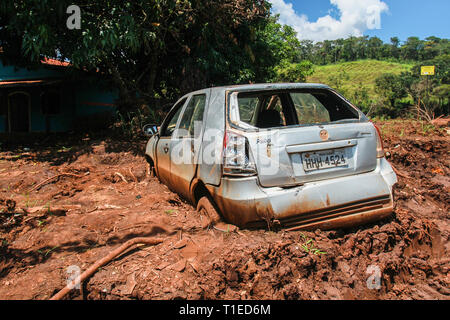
(51, 102)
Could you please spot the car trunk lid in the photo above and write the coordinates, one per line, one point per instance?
(298, 154)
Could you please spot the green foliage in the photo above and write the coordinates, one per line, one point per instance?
(293, 72)
(391, 88)
(278, 55)
(365, 47)
(337, 80)
(361, 98)
(130, 123)
(442, 92)
(356, 79)
(429, 94)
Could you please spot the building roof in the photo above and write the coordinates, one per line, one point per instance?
(49, 61)
(21, 83)
(55, 62)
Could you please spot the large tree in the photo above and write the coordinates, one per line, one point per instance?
(147, 48)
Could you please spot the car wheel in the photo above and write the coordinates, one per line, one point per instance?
(209, 214)
(151, 167)
(153, 171)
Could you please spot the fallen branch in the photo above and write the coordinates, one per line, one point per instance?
(54, 177)
(113, 254)
(92, 210)
(136, 226)
(399, 173)
(121, 176)
(134, 177)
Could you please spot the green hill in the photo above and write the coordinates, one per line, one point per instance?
(349, 75)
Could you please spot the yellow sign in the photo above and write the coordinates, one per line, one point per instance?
(427, 71)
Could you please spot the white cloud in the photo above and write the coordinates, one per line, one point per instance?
(355, 17)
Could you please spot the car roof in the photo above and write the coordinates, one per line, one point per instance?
(261, 86)
(271, 86)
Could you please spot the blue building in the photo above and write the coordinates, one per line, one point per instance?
(52, 98)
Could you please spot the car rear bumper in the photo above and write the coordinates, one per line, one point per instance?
(328, 204)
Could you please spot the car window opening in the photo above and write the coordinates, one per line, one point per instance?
(269, 109)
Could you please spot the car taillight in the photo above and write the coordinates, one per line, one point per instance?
(237, 158)
(380, 148)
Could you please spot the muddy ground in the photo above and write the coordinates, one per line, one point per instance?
(104, 195)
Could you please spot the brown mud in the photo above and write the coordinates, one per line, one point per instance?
(70, 204)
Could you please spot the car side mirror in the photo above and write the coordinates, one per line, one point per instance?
(150, 129)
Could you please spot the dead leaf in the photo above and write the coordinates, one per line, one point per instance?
(190, 252)
(179, 266)
(163, 265)
(438, 171)
(194, 264)
(130, 285)
(180, 244)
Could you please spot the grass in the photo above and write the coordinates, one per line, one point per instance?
(309, 246)
(64, 149)
(45, 253)
(406, 127)
(28, 202)
(361, 71)
(47, 205)
(170, 212)
(428, 128)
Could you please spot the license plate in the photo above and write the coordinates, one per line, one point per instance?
(323, 159)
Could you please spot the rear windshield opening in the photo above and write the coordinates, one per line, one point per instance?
(269, 109)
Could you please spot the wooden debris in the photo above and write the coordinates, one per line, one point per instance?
(121, 176)
(92, 269)
(39, 185)
(397, 172)
(134, 177)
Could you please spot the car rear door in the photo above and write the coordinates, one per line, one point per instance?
(185, 144)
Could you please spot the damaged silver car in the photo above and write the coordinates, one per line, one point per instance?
(299, 156)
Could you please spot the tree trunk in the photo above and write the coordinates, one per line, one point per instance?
(153, 68)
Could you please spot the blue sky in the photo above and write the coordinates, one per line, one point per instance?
(331, 19)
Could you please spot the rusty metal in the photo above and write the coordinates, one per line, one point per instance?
(343, 211)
